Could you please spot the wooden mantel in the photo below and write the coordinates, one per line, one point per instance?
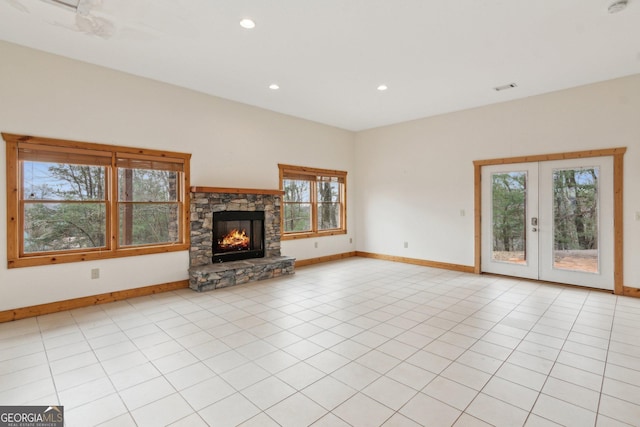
(196, 189)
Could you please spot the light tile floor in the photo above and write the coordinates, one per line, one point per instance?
(357, 342)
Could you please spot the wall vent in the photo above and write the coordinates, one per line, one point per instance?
(505, 87)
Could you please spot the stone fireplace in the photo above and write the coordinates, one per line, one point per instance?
(237, 214)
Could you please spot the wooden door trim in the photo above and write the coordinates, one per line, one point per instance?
(618, 234)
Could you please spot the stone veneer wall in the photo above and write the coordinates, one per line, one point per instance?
(203, 273)
(203, 205)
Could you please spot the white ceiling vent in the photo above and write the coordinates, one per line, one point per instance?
(505, 87)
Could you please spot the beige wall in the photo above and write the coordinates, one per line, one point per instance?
(407, 182)
(232, 145)
(424, 169)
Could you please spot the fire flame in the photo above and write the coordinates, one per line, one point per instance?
(236, 240)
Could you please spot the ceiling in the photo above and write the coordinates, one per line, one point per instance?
(329, 56)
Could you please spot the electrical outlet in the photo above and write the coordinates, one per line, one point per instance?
(462, 212)
(95, 273)
(406, 245)
(350, 240)
(637, 216)
(315, 245)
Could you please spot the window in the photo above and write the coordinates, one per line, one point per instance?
(314, 202)
(73, 201)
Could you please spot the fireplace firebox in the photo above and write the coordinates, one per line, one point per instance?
(238, 235)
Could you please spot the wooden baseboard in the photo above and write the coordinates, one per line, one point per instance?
(70, 304)
(630, 292)
(311, 261)
(415, 261)
(422, 262)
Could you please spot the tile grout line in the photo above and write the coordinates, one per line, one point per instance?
(510, 353)
(466, 349)
(380, 292)
(554, 364)
(46, 354)
(604, 372)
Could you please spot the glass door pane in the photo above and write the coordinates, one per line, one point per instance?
(575, 219)
(509, 213)
(576, 222)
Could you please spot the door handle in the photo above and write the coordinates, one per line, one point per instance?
(534, 221)
(534, 229)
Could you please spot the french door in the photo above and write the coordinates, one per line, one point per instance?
(550, 220)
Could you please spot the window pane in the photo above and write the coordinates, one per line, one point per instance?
(296, 190)
(313, 200)
(297, 217)
(575, 219)
(63, 226)
(142, 224)
(508, 194)
(328, 192)
(328, 216)
(147, 185)
(60, 181)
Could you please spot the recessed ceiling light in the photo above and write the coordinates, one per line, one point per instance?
(274, 86)
(383, 87)
(247, 23)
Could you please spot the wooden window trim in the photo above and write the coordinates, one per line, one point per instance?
(112, 250)
(305, 172)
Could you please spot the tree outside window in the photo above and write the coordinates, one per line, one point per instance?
(509, 215)
(64, 206)
(77, 201)
(313, 201)
(297, 205)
